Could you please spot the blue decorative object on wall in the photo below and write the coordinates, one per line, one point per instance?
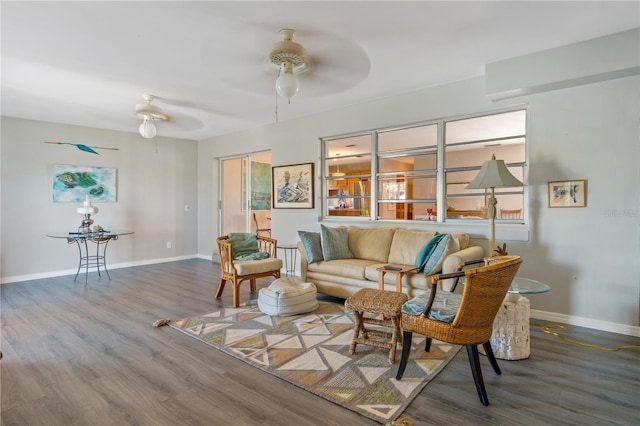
(84, 148)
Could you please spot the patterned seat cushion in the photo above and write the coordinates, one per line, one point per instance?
(444, 308)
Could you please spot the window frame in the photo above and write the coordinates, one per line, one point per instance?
(440, 172)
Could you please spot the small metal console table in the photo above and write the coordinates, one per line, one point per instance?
(86, 258)
(290, 258)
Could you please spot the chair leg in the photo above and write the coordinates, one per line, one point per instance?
(236, 295)
(427, 344)
(358, 328)
(220, 288)
(253, 285)
(406, 348)
(474, 361)
(492, 359)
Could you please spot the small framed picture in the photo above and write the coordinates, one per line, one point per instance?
(567, 193)
(293, 186)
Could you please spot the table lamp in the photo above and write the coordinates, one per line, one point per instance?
(493, 174)
(86, 210)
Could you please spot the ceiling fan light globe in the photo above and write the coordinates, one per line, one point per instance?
(287, 85)
(148, 128)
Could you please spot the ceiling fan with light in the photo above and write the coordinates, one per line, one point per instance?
(291, 58)
(149, 114)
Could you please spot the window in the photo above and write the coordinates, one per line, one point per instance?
(420, 172)
(347, 175)
(407, 171)
(470, 142)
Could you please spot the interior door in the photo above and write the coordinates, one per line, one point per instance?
(245, 193)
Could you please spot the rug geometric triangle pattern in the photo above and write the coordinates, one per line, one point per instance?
(312, 351)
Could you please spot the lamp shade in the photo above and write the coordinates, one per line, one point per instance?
(148, 128)
(494, 174)
(87, 207)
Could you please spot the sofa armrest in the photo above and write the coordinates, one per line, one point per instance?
(304, 264)
(453, 261)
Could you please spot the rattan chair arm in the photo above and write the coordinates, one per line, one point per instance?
(472, 262)
(438, 277)
(432, 297)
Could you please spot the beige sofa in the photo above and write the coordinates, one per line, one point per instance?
(375, 247)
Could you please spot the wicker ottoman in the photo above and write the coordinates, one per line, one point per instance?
(389, 305)
(288, 296)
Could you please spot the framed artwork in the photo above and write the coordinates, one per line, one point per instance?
(293, 186)
(567, 193)
(72, 184)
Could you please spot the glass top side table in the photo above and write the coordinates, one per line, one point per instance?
(528, 286)
(86, 257)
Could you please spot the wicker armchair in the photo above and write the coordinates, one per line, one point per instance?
(237, 271)
(470, 323)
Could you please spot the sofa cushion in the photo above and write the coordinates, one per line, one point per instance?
(335, 243)
(346, 268)
(312, 246)
(243, 244)
(371, 243)
(410, 280)
(406, 245)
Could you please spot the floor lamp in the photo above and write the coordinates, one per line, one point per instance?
(493, 174)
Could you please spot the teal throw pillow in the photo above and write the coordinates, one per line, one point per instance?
(427, 250)
(444, 248)
(444, 308)
(335, 243)
(312, 246)
(243, 244)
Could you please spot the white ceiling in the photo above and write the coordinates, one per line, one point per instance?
(89, 63)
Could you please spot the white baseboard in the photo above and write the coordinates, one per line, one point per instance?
(51, 274)
(611, 327)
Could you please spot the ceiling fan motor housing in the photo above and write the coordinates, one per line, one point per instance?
(288, 51)
(150, 111)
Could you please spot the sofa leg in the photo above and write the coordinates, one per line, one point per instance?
(253, 285)
(220, 288)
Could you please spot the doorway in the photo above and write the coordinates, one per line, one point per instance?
(245, 188)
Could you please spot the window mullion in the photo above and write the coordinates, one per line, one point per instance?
(441, 205)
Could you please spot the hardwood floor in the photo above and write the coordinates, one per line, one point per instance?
(77, 354)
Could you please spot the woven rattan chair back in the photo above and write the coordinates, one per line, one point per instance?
(484, 291)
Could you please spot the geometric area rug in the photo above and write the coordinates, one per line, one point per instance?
(312, 351)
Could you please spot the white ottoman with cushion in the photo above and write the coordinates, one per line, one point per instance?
(288, 296)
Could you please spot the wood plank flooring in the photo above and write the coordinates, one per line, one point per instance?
(77, 354)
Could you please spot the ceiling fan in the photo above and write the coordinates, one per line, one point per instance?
(149, 114)
(291, 58)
